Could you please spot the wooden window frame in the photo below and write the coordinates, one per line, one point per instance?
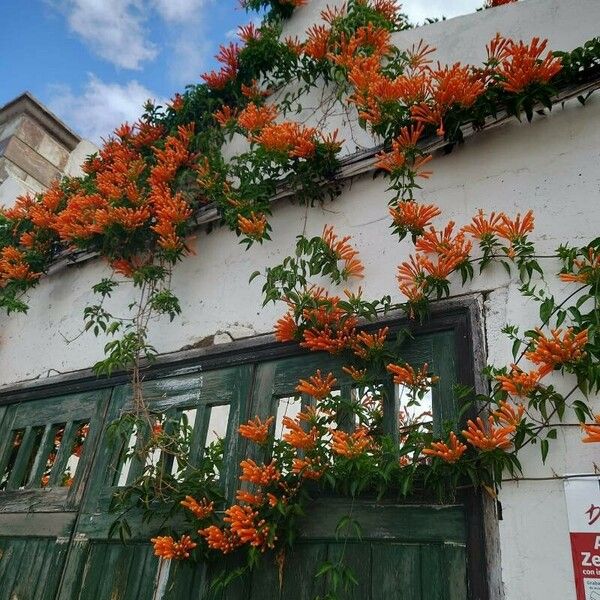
(463, 316)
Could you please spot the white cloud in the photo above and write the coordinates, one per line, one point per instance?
(114, 30)
(178, 10)
(419, 10)
(188, 58)
(101, 107)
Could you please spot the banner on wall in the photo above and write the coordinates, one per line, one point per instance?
(582, 493)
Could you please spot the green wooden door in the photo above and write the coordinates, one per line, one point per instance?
(46, 451)
(99, 567)
(404, 551)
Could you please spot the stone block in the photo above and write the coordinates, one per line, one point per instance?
(26, 158)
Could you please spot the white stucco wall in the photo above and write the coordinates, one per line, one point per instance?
(550, 166)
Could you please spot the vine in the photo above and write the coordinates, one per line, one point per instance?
(137, 206)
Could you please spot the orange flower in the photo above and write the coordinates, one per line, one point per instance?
(254, 227)
(248, 33)
(588, 269)
(351, 445)
(412, 278)
(177, 102)
(408, 376)
(307, 468)
(592, 431)
(317, 386)
(556, 350)
(316, 46)
(297, 437)
(356, 374)
(443, 267)
(523, 65)
(256, 430)
(286, 328)
(260, 475)
(254, 118)
(417, 55)
(224, 540)
(225, 115)
(248, 498)
(508, 414)
(167, 548)
(444, 243)
(515, 230)
(242, 520)
(488, 437)
(366, 343)
(329, 339)
(289, 138)
(449, 453)
(201, 509)
(343, 251)
(13, 266)
(413, 217)
(482, 228)
(519, 383)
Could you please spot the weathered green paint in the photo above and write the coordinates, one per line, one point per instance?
(54, 541)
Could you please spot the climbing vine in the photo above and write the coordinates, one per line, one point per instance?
(137, 206)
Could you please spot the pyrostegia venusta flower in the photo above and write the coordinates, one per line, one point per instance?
(317, 386)
(412, 278)
(515, 230)
(247, 498)
(297, 437)
(259, 474)
(488, 437)
(307, 468)
(285, 328)
(483, 228)
(509, 414)
(254, 118)
(351, 445)
(518, 382)
(343, 251)
(225, 115)
(588, 269)
(166, 547)
(224, 539)
(201, 509)
(413, 217)
(449, 453)
(366, 343)
(444, 243)
(522, 65)
(557, 350)
(408, 376)
(592, 431)
(256, 430)
(356, 374)
(253, 226)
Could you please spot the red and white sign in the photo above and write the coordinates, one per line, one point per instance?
(583, 507)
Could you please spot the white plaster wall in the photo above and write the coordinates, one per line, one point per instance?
(550, 166)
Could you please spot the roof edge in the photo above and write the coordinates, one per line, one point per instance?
(27, 104)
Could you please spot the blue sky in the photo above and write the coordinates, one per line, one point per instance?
(95, 62)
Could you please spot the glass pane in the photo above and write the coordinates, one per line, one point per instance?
(286, 407)
(413, 412)
(217, 423)
(77, 445)
(126, 456)
(57, 433)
